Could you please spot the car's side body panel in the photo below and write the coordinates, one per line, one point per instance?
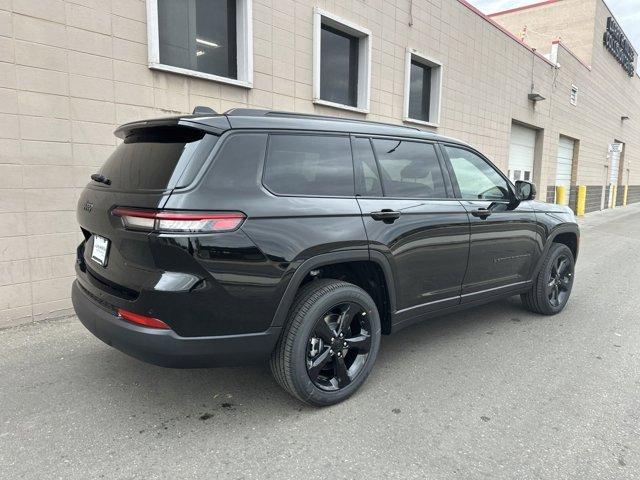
(229, 287)
(285, 231)
(427, 248)
(502, 249)
(553, 222)
(426, 252)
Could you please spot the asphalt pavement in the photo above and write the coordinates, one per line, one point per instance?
(494, 392)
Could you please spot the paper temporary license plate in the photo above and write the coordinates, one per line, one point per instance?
(100, 250)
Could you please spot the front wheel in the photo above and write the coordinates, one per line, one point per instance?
(552, 286)
(329, 344)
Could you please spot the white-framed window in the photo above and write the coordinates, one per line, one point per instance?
(210, 39)
(574, 95)
(341, 62)
(422, 89)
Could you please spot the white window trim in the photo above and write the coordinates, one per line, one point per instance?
(244, 43)
(571, 100)
(321, 17)
(436, 100)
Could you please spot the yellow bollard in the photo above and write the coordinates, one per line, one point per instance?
(561, 195)
(614, 195)
(624, 198)
(581, 202)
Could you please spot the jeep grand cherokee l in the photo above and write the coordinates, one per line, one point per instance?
(226, 239)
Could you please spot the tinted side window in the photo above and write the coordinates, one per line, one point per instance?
(309, 165)
(475, 177)
(235, 168)
(367, 178)
(409, 169)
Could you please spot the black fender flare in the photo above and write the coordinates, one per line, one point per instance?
(558, 230)
(323, 259)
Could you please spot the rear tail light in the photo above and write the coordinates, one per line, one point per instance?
(176, 221)
(142, 320)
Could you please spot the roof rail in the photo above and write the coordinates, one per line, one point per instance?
(256, 112)
(246, 112)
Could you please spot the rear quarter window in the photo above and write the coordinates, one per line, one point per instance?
(236, 167)
(317, 165)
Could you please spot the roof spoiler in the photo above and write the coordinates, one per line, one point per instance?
(217, 125)
(202, 110)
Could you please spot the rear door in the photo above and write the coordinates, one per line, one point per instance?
(503, 240)
(411, 219)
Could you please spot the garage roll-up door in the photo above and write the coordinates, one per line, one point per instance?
(564, 161)
(522, 153)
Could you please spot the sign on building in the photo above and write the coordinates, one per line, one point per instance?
(618, 44)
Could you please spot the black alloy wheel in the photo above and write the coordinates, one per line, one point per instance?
(560, 280)
(338, 347)
(329, 344)
(552, 285)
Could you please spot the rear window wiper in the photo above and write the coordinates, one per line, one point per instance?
(98, 177)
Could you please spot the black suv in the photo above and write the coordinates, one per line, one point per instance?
(225, 239)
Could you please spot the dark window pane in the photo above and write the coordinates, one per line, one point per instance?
(338, 67)
(409, 169)
(419, 92)
(309, 165)
(199, 35)
(235, 169)
(476, 178)
(155, 159)
(367, 178)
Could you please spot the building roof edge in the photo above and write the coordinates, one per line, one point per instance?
(523, 7)
(505, 31)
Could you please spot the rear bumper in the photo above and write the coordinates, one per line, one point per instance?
(165, 347)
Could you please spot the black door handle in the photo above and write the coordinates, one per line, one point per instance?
(482, 212)
(386, 215)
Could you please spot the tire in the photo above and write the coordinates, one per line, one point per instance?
(305, 344)
(540, 299)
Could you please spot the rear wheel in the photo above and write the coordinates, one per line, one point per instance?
(552, 287)
(329, 344)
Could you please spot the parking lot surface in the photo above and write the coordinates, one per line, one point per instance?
(494, 392)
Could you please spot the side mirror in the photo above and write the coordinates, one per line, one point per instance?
(525, 190)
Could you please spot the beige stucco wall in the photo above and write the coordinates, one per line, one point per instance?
(606, 93)
(70, 71)
(614, 95)
(571, 21)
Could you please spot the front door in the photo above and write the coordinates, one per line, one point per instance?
(503, 240)
(410, 218)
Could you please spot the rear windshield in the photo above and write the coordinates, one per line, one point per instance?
(159, 158)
